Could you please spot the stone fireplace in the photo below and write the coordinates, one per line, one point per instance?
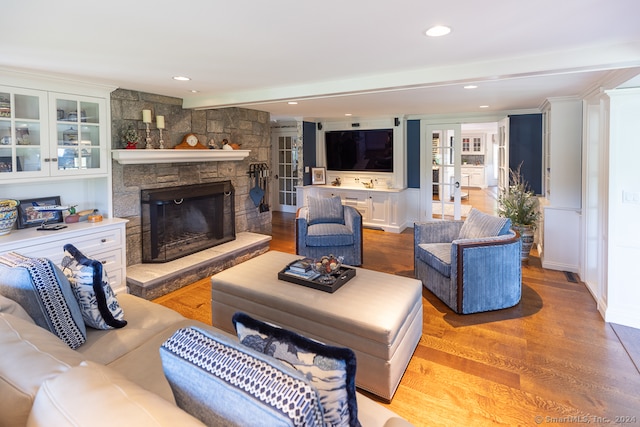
(181, 220)
(248, 128)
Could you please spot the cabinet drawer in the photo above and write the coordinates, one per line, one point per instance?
(110, 260)
(98, 241)
(87, 244)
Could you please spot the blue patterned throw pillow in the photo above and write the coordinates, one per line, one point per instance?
(331, 369)
(98, 304)
(45, 294)
(221, 382)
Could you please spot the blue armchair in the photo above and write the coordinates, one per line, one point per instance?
(472, 265)
(326, 227)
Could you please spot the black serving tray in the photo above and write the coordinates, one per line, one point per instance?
(342, 276)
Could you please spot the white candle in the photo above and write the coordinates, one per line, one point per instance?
(146, 116)
(160, 122)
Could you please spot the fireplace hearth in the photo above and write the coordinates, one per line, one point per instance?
(179, 221)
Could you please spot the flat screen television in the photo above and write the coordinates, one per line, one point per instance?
(369, 150)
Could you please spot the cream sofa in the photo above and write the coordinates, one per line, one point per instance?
(114, 378)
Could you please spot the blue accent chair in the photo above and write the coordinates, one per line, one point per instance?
(472, 266)
(326, 227)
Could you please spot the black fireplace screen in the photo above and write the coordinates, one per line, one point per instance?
(179, 221)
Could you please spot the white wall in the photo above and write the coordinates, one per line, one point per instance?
(624, 208)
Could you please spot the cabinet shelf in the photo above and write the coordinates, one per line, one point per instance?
(168, 155)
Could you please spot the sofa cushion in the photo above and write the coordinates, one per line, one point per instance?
(216, 379)
(325, 209)
(94, 395)
(329, 234)
(479, 224)
(9, 306)
(30, 355)
(98, 303)
(145, 321)
(437, 256)
(331, 369)
(45, 293)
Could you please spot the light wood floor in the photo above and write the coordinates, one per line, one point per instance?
(549, 360)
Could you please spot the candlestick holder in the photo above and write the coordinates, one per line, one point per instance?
(161, 142)
(148, 139)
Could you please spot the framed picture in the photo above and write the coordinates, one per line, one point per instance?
(29, 216)
(318, 176)
(6, 164)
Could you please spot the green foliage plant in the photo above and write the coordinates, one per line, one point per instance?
(518, 202)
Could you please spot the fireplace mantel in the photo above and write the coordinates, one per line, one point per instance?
(169, 155)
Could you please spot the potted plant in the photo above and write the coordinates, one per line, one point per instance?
(130, 136)
(520, 205)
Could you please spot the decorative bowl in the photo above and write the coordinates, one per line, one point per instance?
(327, 265)
(8, 215)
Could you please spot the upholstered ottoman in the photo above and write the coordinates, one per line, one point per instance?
(377, 315)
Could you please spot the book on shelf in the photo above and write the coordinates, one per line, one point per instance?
(301, 266)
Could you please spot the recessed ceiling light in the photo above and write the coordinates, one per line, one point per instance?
(438, 31)
(484, 106)
(181, 78)
(471, 87)
(292, 102)
(193, 91)
(347, 114)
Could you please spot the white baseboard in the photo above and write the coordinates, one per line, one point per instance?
(559, 266)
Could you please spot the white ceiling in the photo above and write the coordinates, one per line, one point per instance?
(364, 57)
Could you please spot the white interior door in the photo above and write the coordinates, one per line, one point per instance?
(285, 176)
(440, 192)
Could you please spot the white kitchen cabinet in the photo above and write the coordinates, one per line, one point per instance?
(380, 208)
(473, 144)
(477, 176)
(104, 241)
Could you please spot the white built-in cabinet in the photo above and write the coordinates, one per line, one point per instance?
(380, 208)
(559, 237)
(49, 134)
(104, 241)
(55, 142)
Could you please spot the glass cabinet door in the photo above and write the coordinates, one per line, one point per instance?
(22, 120)
(78, 135)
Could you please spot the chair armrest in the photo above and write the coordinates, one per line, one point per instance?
(302, 213)
(436, 231)
(352, 218)
(510, 237)
(301, 228)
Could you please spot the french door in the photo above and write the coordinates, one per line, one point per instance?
(440, 161)
(503, 155)
(285, 156)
